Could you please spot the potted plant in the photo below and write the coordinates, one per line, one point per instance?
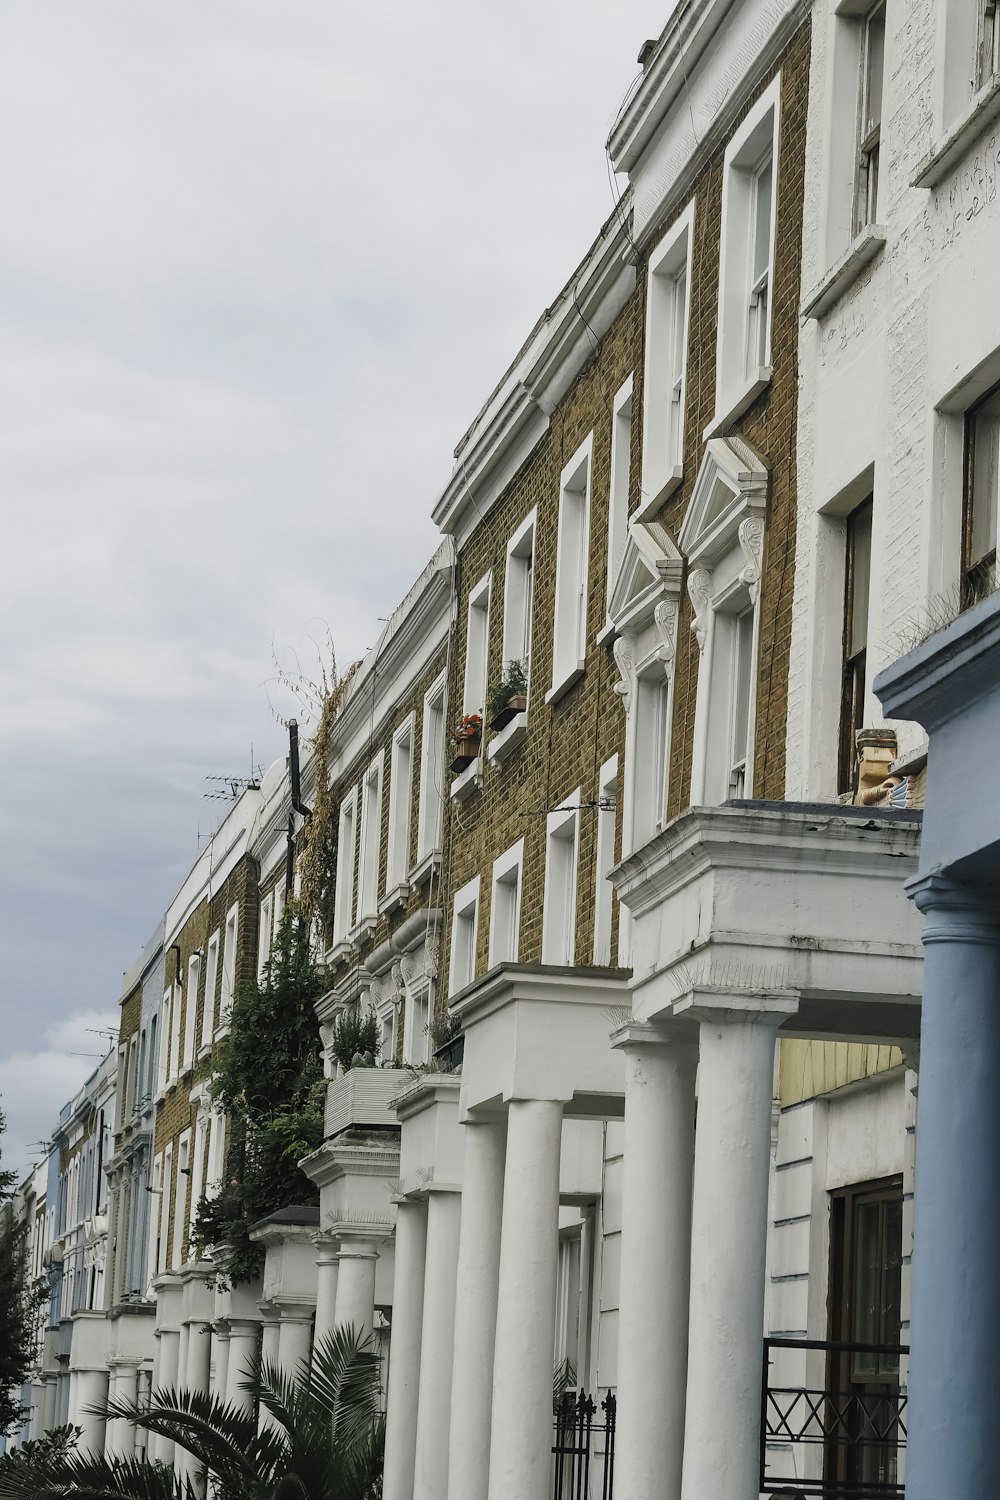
(466, 737)
(447, 1041)
(510, 695)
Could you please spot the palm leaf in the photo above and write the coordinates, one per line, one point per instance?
(80, 1477)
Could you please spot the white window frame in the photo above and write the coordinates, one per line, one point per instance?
(400, 803)
(265, 921)
(197, 1169)
(607, 792)
(505, 906)
(664, 389)
(153, 1240)
(618, 484)
(180, 1196)
(966, 92)
(343, 908)
(370, 847)
(166, 1187)
(569, 633)
(230, 939)
(211, 984)
(216, 1164)
(172, 1006)
(739, 379)
(477, 647)
(518, 594)
(868, 143)
(417, 1002)
(562, 829)
(191, 1008)
(464, 936)
(433, 730)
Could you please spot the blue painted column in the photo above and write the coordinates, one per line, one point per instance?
(955, 1322)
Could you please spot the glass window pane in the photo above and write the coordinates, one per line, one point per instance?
(742, 648)
(985, 448)
(859, 568)
(874, 64)
(762, 220)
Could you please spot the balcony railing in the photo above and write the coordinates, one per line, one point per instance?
(849, 1440)
(578, 1420)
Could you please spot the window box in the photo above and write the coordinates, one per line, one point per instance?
(515, 705)
(364, 1097)
(502, 746)
(466, 751)
(451, 1053)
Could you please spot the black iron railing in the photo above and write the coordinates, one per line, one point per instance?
(857, 1422)
(577, 1420)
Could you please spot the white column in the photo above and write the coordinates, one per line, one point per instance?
(50, 1394)
(356, 1283)
(294, 1338)
(520, 1455)
(728, 1242)
(404, 1350)
(475, 1310)
(430, 1480)
(243, 1335)
(220, 1362)
(654, 1281)
(199, 1357)
(327, 1262)
(268, 1355)
(119, 1437)
(167, 1362)
(90, 1389)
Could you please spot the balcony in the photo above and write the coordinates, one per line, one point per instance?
(845, 1440)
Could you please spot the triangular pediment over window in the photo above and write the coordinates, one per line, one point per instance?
(650, 569)
(732, 483)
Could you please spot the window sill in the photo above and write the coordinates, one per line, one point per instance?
(221, 1031)
(338, 953)
(363, 931)
(723, 421)
(468, 781)
(983, 110)
(205, 1050)
(607, 633)
(865, 248)
(394, 899)
(669, 487)
(502, 746)
(569, 679)
(426, 868)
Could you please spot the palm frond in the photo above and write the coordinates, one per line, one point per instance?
(218, 1435)
(80, 1477)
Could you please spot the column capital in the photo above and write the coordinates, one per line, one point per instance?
(242, 1327)
(674, 1037)
(729, 1005)
(114, 1360)
(361, 1242)
(327, 1248)
(955, 912)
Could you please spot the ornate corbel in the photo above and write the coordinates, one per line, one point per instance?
(625, 688)
(700, 594)
(751, 537)
(665, 620)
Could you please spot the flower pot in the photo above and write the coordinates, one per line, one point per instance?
(451, 1053)
(514, 706)
(466, 751)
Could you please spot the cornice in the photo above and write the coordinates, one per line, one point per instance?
(539, 983)
(947, 672)
(516, 416)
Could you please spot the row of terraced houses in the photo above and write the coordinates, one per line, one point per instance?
(708, 901)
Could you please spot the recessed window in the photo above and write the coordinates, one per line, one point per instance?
(371, 838)
(431, 772)
(745, 290)
(569, 647)
(180, 1199)
(343, 912)
(197, 1170)
(400, 795)
(559, 900)
(607, 795)
(229, 964)
(741, 689)
(870, 116)
(166, 1184)
(618, 488)
(464, 931)
(982, 498)
(505, 906)
(211, 982)
(477, 648)
(651, 747)
(856, 591)
(216, 1153)
(519, 595)
(667, 313)
(264, 933)
(191, 1008)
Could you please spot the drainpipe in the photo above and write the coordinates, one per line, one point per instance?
(298, 806)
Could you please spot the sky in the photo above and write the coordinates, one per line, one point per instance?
(261, 261)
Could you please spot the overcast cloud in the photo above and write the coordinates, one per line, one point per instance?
(260, 263)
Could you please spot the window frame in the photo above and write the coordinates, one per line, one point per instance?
(519, 594)
(604, 861)
(465, 902)
(343, 902)
(855, 661)
(369, 842)
(229, 951)
(752, 145)
(619, 485)
(978, 576)
(868, 138)
(562, 826)
(477, 647)
(664, 387)
(572, 588)
(508, 871)
(401, 757)
(265, 923)
(211, 984)
(191, 987)
(430, 807)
